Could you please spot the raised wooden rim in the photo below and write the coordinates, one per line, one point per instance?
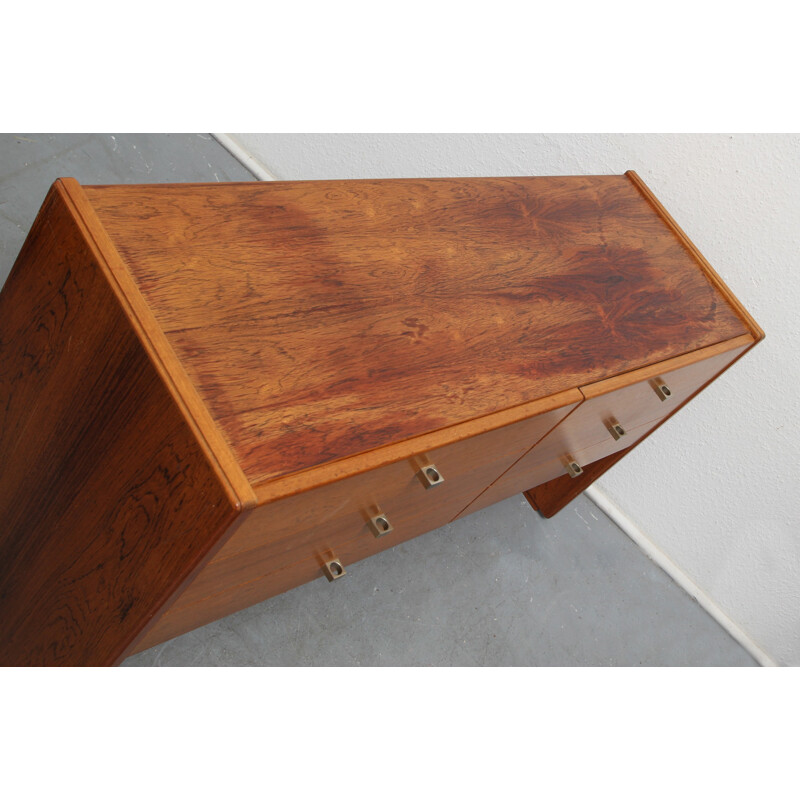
(662, 367)
(330, 471)
(710, 272)
(208, 434)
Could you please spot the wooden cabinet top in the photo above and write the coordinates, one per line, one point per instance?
(305, 322)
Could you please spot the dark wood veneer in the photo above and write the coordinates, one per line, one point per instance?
(107, 504)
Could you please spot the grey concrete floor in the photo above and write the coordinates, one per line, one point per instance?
(502, 587)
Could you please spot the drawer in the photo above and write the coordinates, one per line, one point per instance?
(281, 541)
(632, 404)
(269, 577)
(337, 510)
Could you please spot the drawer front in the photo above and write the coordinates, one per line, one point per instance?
(285, 543)
(635, 402)
(338, 510)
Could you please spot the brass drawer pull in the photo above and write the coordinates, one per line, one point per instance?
(574, 469)
(615, 429)
(333, 569)
(661, 389)
(380, 525)
(430, 476)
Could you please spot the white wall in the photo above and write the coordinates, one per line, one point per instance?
(714, 489)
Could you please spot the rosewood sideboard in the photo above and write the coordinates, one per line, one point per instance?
(210, 394)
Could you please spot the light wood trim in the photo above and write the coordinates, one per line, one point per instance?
(372, 459)
(712, 274)
(166, 362)
(333, 471)
(654, 370)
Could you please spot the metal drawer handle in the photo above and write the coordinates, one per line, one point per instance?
(661, 389)
(615, 429)
(574, 469)
(333, 569)
(430, 476)
(380, 525)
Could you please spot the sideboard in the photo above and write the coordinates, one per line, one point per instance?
(212, 393)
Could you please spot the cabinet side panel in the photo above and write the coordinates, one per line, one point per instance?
(107, 502)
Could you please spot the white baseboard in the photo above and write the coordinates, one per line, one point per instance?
(612, 511)
(623, 521)
(246, 159)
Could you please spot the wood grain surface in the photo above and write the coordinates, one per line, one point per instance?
(322, 319)
(106, 500)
